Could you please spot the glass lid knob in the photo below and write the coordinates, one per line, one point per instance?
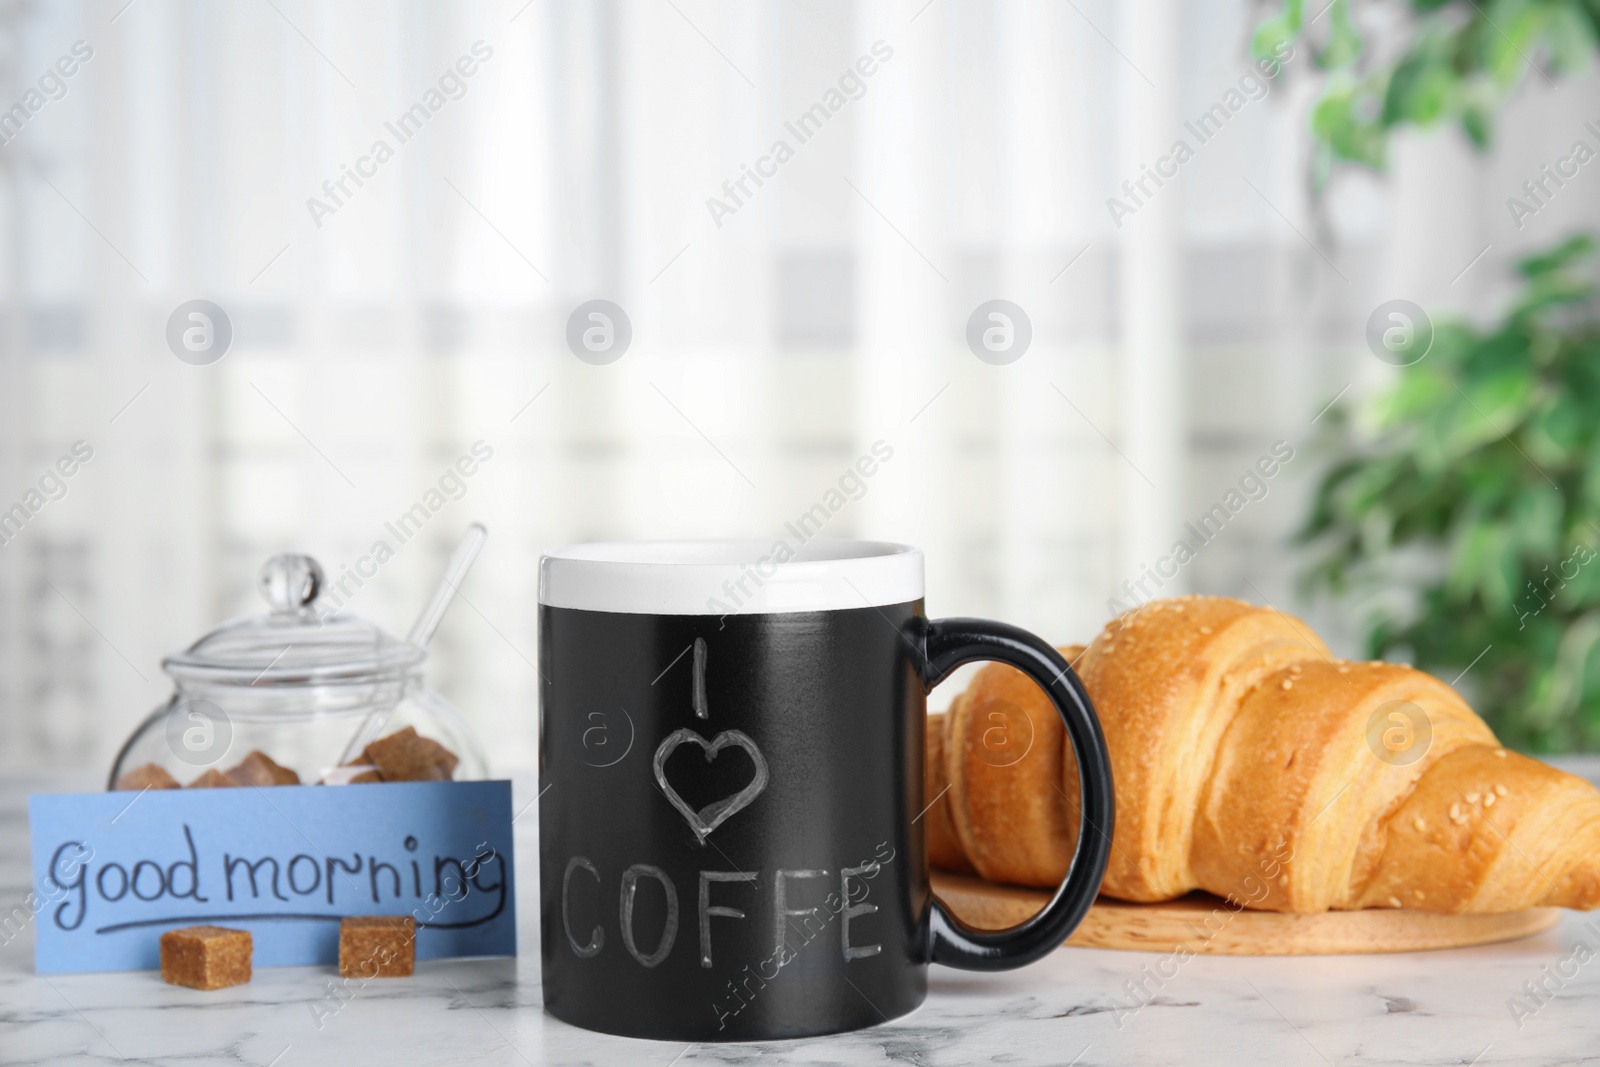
(290, 582)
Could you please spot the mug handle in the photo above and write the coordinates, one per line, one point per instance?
(949, 643)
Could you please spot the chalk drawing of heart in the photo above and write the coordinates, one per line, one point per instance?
(717, 812)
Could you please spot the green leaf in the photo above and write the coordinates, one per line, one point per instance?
(1419, 390)
(1536, 518)
(1482, 413)
(1590, 492)
(1503, 581)
(1583, 587)
(1470, 551)
(1347, 123)
(1272, 33)
(1502, 397)
(1477, 123)
(1510, 42)
(1571, 38)
(1422, 91)
(1574, 249)
(1555, 434)
(1344, 43)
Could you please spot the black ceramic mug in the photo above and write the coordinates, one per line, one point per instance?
(731, 788)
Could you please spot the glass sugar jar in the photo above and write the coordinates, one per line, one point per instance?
(296, 695)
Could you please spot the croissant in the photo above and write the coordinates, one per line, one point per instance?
(1250, 763)
(945, 850)
(1011, 813)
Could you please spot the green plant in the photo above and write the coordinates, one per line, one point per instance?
(1485, 456)
(1463, 518)
(1462, 59)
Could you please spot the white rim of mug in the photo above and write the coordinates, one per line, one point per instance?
(730, 576)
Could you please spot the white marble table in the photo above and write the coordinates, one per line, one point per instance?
(1423, 1008)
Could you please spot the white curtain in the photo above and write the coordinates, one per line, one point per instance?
(384, 328)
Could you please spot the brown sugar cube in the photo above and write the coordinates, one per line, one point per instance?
(147, 777)
(404, 756)
(213, 779)
(377, 946)
(206, 957)
(351, 773)
(259, 769)
(442, 760)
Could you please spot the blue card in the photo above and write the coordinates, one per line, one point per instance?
(113, 871)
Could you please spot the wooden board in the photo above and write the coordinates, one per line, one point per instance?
(1201, 923)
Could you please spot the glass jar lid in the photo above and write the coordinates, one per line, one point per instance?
(294, 644)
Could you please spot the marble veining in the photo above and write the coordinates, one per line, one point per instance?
(1079, 1007)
